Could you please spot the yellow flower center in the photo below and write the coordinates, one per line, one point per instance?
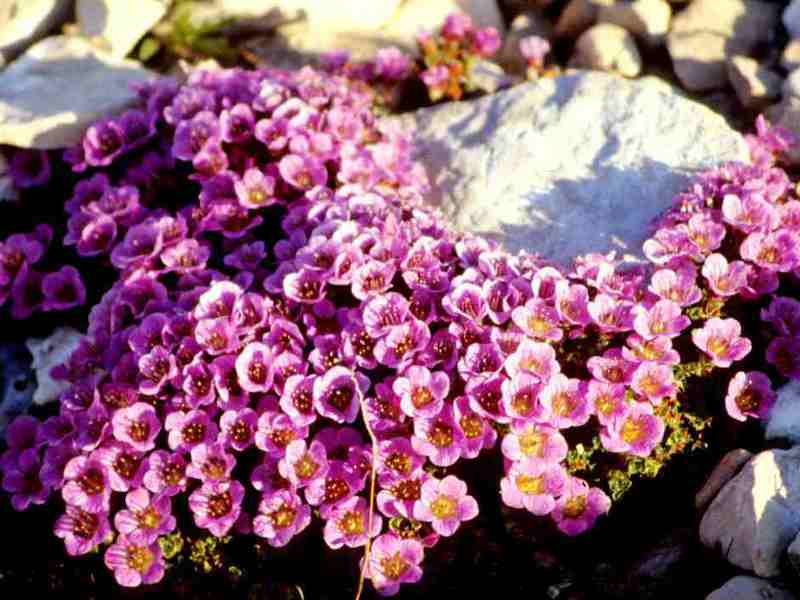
(528, 484)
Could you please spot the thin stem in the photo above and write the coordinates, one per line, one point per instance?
(373, 475)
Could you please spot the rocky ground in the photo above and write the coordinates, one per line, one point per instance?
(582, 162)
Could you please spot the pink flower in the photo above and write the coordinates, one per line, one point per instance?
(392, 562)
(534, 49)
(397, 460)
(657, 349)
(276, 431)
(533, 486)
(579, 506)
(534, 443)
(397, 498)
(678, 286)
(282, 515)
(338, 394)
(348, 524)
(189, 429)
(777, 251)
(303, 463)
(166, 473)
(210, 463)
(565, 402)
(254, 367)
(339, 484)
(664, 318)
(133, 563)
(721, 340)
(538, 320)
(607, 400)
(217, 505)
(421, 392)
(637, 431)
(438, 437)
(137, 425)
(87, 484)
(146, 518)
(536, 358)
(476, 431)
(749, 395)
(238, 428)
(297, 399)
(82, 531)
(725, 279)
(445, 505)
(520, 397)
(654, 382)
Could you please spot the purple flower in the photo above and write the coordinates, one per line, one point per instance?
(348, 524)
(217, 505)
(436, 77)
(29, 168)
(276, 431)
(237, 124)
(579, 506)
(572, 303)
(784, 353)
(392, 562)
(297, 399)
(538, 320)
(137, 425)
(210, 463)
(466, 301)
(191, 135)
(404, 342)
(534, 443)
(749, 395)
(157, 368)
(533, 486)
(445, 505)
(657, 349)
(611, 315)
(721, 340)
(612, 367)
(397, 460)
(783, 314)
(254, 367)
(82, 531)
(457, 25)
(520, 397)
(133, 563)
(384, 312)
(103, 142)
(255, 189)
(303, 463)
(724, 278)
(372, 277)
(282, 515)
(86, 484)
(664, 318)
(125, 465)
(654, 381)
(146, 518)
(637, 431)
(392, 64)
(397, 498)
(302, 172)
(421, 392)
(564, 400)
(306, 286)
(22, 480)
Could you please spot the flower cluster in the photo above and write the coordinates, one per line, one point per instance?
(291, 328)
(534, 49)
(449, 55)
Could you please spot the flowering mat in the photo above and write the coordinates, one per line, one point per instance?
(297, 378)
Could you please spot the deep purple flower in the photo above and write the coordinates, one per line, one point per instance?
(82, 531)
(282, 515)
(783, 314)
(721, 340)
(784, 353)
(217, 505)
(22, 480)
(749, 395)
(103, 142)
(579, 506)
(146, 518)
(533, 486)
(134, 563)
(191, 135)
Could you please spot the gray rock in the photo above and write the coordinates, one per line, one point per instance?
(756, 86)
(648, 20)
(750, 588)
(709, 31)
(523, 25)
(607, 47)
(728, 466)
(793, 553)
(786, 114)
(47, 353)
(791, 18)
(27, 22)
(531, 166)
(51, 94)
(756, 515)
(119, 24)
(784, 418)
(790, 58)
(17, 383)
(578, 16)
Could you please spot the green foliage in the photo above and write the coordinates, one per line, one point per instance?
(208, 553)
(171, 545)
(191, 37)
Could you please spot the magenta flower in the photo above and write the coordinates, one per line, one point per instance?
(189, 429)
(372, 277)
(338, 394)
(193, 134)
(217, 506)
(392, 562)
(445, 505)
(533, 486)
(457, 25)
(237, 428)
(125, 464)
(579, 506)
(476, 431)
(486, 41)
(237, 124)
(637, 431)
(82, 531)
(421, 392)
(724, 278)
(611, 315)
(254, 367)
(480, 359)
(275, 431)
(282, 515)
(721, 340)
(658, 350)
(22, 480)
(133, 563)
(146, 518)
(520, 397)
(348, 524)
(749, 395)
(654, 381)
(304, 463)
(157, 367)
(564, 401)
(397, 498)
(383, 312)
(297, 399)
(435, 77)
(306, 286)
(397, 460)
(664, 318)
(86, 484)
(210, 463)
(137, 425)
(340, 483)
(166, 473)
(402, 344)
(438, 437)
(466, 301)
(572, 303)
(534, 443)
(538, 320)
(749, 213)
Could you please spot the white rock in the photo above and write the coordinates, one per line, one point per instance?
(607, 47)
(750, 588)
(791, 18)
(784, 418)
(646, 19)
(704, 35)
(756, 515)
(47, 353)
(790, 58)
(58, 87)
(755, 85)
(29, 21)
(570, 165)
(119, 24)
